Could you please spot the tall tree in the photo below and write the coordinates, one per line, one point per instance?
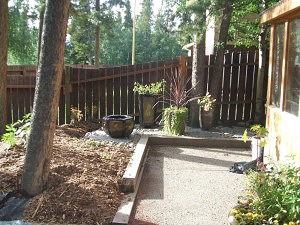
(23, 35)
(3, 63)
(97, 34)
(215, 84)
(144, 25)
(49, 76)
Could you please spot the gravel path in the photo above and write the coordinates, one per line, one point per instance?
(188, 186)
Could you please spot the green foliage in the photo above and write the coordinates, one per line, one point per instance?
(17, 132)
(76, 115)
(259, 131)
(22, 34)
(152, 89)
(273, 197)
(175, 120)
(206, 102)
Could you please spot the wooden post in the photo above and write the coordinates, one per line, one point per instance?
(67, 94)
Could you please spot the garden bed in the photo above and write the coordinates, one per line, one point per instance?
(84, 179)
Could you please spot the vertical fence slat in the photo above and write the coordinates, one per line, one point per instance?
(226, 87)
(131, 80)
(117, 88)
(248, 96)
(124, 85)
(101, 93)
(241, 87)
(233, 88)
(109, 92)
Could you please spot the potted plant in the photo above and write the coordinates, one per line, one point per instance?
(258, 141)
(147, 99)
(175, 117)
(206, 104)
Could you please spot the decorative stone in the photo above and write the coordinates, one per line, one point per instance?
(118, 126)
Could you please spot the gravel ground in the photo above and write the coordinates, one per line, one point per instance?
(188, 186)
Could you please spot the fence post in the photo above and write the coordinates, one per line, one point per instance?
(67, 94)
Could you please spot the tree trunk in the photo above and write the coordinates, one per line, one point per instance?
(97, 43)
(198, 77)
(46, 99)
(3, 63)
(215, 84)
(41, 24)
(259, 103)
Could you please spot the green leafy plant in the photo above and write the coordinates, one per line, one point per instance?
(17, 133)
(153, 88)
(206, 102)
(273, 197)
(175, 117)
(175, 120)
(259, 132)
(76, 115)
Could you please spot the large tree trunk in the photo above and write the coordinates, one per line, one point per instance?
(41, 24)
(215, 84)
(49, 76)
(97, 43)
(259, 103)
(3, 63)
(198, 77)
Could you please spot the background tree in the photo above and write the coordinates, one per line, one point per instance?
(46, 98)
(3, 62)
(23, 35)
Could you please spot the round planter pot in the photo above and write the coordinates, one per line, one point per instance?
(118, 126)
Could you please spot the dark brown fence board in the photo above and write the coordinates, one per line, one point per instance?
(249, 87)
(117, 88)
(241, 86)
(102, 94)
(109, 92)
(124, 85)
(234, 82)
(130, 80)
(226, 86)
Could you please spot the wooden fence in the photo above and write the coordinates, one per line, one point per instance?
(108, 90)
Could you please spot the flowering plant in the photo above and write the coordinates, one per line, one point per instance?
(206, 102)
(272, 197)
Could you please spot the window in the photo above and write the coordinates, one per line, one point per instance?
(277, 64)
(292, 91)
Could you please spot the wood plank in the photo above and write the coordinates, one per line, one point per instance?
(226, 87)
(124, 99)
(249, 86)
(233, 86)
(102, 93)
(109, 92)
(241, 87)
(117, 89)
(131, 94)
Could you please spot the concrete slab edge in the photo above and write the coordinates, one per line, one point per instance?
(134, 171)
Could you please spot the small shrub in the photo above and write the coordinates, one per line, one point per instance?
(76, 115)
(17, 133)
(273, 197)
(177, 118)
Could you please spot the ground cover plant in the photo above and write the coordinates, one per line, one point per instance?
(273, 197)
(84, 178)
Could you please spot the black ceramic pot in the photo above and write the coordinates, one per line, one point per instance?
(118, 126)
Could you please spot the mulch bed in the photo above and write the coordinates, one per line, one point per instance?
(83, 186)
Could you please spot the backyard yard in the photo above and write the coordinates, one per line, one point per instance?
(83, 181)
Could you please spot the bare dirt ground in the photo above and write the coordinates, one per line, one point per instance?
(83, 181)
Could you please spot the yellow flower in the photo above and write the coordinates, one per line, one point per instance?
(275, 221)
(234, 211)
(237, 216)
(255, 215)
(249, 216)
(291, 223)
